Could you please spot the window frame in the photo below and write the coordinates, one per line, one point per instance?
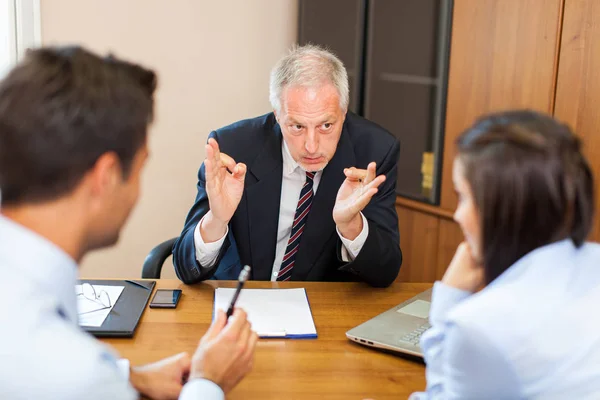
(20, 29)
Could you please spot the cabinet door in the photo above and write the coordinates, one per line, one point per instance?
(419, 244)
(503, 56)
(339, 26)
(405, 91)
(578, 84)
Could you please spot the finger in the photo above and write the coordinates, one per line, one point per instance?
(209, 164)
(185, 363)
(217, 326)
(182, 358)
(239, 172)
(215, 152)
(370, 173)
(212, 163)
(215, 146)
(227, 161)
(210, 151)
(464, 247)
(236, 323)
(355, 174)
(375, 183)
(251, 346)
(245, 336)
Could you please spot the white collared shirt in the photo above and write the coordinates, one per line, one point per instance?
(533, 333)
(292, 181)
(43, 352)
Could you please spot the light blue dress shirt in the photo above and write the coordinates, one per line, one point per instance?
(533, 333)
(43, 352)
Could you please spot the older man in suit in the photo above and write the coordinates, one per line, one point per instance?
(303, 193)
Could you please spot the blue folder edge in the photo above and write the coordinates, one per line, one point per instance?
(287, 336)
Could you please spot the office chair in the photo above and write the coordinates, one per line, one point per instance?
(154, 261)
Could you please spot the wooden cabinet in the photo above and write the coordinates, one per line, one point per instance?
(428, 244)
(578, 83)
(537, 54)
(419, 243)
(396, 54)
(504, 54)
(405, 86)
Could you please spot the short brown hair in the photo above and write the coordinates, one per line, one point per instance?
(61, 108)
(530, 183)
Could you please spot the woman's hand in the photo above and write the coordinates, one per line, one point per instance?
(464, 272)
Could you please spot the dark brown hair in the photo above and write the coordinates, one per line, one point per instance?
(61, 108)
(531, 185)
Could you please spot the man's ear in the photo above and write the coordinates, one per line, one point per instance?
(105, 174)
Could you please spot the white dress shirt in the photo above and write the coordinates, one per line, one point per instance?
(533, 333)
(293, 179)
(43, 352)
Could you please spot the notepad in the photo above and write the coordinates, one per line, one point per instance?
(92, 312)
(283, 313)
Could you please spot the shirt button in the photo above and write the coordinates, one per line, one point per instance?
(275, 274)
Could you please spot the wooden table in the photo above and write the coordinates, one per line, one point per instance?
(330, 367)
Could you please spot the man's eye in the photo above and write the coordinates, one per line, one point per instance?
(327, 125)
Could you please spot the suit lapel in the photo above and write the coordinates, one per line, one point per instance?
(263, 200)
(319, 225)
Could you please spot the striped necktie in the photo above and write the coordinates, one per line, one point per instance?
(304, 203)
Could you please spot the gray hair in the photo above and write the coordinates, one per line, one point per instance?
(308, 66)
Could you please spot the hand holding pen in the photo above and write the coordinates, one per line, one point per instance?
(226, 352)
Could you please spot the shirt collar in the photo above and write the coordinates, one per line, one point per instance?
(49, 268)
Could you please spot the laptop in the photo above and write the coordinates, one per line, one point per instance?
(398, 329)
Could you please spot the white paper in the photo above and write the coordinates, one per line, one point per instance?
(272, 312)
(92, 313)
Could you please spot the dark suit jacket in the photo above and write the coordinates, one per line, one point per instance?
(253, 229)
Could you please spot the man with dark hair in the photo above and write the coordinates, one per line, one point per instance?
(73, 132)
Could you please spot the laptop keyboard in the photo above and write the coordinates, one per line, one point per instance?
(415, 336)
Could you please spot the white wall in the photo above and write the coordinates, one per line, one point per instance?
(213, 59)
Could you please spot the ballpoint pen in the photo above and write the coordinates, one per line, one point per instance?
(244, 275)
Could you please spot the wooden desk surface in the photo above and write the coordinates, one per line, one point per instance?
(330, 367)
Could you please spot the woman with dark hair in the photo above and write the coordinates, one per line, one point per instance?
(515, 315)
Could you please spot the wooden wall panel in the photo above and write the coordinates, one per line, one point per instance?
(578, 84)
(419, 244)
(450, 236)
(428, 243)
(502, 56)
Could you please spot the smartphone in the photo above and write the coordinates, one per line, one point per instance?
(165, 298)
